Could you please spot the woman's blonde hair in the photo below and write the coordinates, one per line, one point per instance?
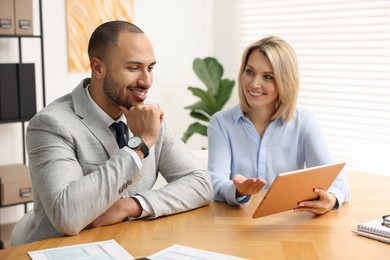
(285, 68)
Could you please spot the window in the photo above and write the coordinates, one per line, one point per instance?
(343, 49)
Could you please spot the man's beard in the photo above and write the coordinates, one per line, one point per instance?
(110, 88)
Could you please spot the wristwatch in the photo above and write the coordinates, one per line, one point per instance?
(136, 142)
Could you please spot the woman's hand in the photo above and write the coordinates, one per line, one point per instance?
(325, 203)
(247, 186)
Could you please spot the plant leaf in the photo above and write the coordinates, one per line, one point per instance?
(200, 115)
(224, 92)
(207, 99)
(212, 100)
(194, 128)
(201, 106)
(209, 71)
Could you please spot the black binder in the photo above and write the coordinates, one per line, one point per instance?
(27, 98)
(9, 102)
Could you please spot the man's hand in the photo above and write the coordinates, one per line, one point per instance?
(325, 203)
(144, 121)
(246, 186)
(129, 207)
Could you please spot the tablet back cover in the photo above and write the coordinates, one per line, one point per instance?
(290, 188)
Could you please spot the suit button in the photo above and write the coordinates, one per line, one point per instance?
(129, 182)
(124, 186)
(120, 190)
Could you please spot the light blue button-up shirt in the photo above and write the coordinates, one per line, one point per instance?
(235, 147)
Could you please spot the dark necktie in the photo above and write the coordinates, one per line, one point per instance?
(121, 130)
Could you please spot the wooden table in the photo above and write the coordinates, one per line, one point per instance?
(231, 230)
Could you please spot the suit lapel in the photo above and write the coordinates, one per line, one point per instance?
(92, 120)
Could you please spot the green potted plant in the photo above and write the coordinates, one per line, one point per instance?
(212, 100)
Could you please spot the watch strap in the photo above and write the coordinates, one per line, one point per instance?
(144, 149)
(136, 143)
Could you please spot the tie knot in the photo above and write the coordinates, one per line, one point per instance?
(120, 129)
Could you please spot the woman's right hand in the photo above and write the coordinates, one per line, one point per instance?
(247, 186)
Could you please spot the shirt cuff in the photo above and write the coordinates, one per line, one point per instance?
(134, 155)
(147, 209)
(230, 191)
(339, 197)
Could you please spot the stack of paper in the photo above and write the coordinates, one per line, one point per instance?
(110, 249)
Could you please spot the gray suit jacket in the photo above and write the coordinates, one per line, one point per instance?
(78, 171)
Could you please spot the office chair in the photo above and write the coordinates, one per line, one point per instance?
(22, 228)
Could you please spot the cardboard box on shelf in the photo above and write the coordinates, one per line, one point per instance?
(23, 17)
(7, 17)
(15, 184)
(6, 230)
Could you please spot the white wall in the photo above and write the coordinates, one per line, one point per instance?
(180, 31)
(225, 43)
(178, 36)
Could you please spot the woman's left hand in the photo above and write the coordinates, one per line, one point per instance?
(325, 203)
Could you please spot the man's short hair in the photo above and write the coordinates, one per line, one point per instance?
(105, 37)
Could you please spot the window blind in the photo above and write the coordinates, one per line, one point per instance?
(343, 49)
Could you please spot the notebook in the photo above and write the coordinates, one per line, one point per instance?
(372, 236)
(290, 188)
(374, 229)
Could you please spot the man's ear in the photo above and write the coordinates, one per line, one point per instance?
(98, 68)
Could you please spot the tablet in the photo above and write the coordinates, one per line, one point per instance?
(290, 188)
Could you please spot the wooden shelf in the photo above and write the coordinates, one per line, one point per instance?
(6, 229)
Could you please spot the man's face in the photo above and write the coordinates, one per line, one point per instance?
(129, 70)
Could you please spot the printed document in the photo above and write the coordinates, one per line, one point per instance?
(177, 252)
(103, 250)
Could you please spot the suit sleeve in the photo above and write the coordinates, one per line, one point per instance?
(74, 178)
(188, 186)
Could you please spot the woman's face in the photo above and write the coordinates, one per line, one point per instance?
(258, 82)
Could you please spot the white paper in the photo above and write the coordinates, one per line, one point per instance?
(102, 250)
(177, 252)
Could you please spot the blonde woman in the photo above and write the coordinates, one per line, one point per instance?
(266, 134)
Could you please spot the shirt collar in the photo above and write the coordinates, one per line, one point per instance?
(237, 113)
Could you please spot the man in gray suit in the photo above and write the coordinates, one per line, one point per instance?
(81, 177)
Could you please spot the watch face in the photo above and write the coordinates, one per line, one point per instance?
(134, 142)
